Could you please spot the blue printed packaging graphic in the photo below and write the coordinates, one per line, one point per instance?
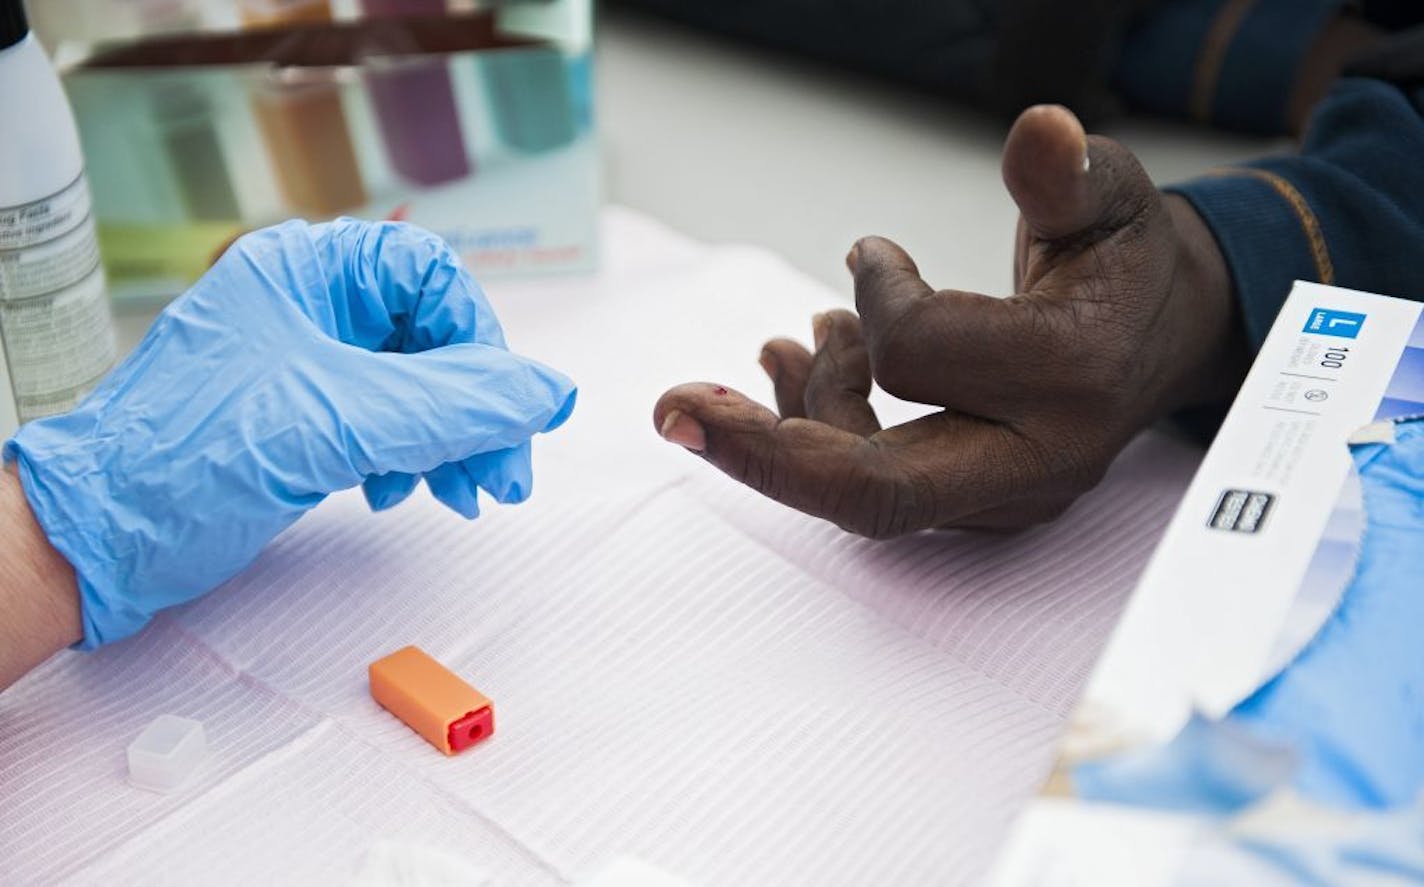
(1328, 322)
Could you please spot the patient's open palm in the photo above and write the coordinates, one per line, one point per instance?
(1122, 314)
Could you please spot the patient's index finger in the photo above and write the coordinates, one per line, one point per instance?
(887, 280)
(861, 484)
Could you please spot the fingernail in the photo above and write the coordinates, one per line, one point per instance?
(684, 431)
(820, 329)
(853, 257)
(769, 364)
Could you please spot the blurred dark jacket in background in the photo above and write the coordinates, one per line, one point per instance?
(1231, 63)
(972, 50)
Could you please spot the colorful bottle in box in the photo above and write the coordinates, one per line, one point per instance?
(415, 105)
(304, 125)
(184, 116)
(275, 13)
(302, 121)
(530, 94)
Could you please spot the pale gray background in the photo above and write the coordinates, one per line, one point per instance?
(733, 143)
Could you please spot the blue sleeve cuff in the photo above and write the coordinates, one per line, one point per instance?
(1343, 212)
(1232, 63)
(1268, 235)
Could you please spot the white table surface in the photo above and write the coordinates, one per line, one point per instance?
(683, 671)
(731, 144)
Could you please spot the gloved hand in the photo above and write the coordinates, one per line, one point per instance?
(1348, 711)
(309, 359)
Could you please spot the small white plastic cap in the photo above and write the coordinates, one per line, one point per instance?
(166, 753)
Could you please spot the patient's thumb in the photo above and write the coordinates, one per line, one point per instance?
(1066, 182)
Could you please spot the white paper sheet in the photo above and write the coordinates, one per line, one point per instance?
(682, 671)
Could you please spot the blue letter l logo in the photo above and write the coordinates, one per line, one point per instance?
(1342, 324)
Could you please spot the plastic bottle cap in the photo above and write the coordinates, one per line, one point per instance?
(13, 24)
(167, 753)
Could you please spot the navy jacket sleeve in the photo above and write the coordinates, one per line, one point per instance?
(1347, 210)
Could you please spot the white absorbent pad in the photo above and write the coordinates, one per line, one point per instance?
(682, 671)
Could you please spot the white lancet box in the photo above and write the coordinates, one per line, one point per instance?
(1255, 561)
(1265, 540)
(167, 753)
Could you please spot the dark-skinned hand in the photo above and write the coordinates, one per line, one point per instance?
(1122, 314)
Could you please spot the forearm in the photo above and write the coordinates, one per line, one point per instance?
(39, 599)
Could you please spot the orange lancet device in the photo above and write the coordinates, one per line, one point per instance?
(432, 700)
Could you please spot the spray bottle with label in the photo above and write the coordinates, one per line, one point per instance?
(56, 331)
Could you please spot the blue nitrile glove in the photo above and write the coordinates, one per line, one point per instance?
(1349, 708)
(1322, 846)
(1208, 767)
(309, 359)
